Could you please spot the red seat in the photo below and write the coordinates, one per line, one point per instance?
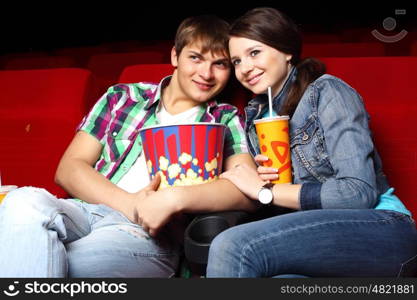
(45, 62)
(343, 49)
(40, 110)
(145, 73)
(413, 50)
(387, 85)
(107, 67)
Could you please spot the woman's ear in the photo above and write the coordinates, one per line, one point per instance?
(174, 57)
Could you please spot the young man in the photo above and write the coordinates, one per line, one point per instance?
(124, 227)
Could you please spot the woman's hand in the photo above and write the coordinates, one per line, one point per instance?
(266, 173)
(246, 179)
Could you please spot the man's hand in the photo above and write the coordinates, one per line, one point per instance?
(152, 209)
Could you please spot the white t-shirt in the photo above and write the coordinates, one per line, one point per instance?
(137, 177)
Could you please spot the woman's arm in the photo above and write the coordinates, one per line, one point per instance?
(348, 143)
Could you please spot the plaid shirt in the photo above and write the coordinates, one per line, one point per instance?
(117, 117)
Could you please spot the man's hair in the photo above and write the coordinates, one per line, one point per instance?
(211, 32)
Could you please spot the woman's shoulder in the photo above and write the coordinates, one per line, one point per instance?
(329, 89)
(327, 82)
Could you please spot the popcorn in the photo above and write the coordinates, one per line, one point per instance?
(149, 165)
(211, 165)
(163, 163)
(183, 177)
(174, 170)
(184, 154)
(185, 158)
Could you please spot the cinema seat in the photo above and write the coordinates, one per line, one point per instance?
(145, 73)
(107, 67)
(44, 62)
(387, 85)
(39, 112)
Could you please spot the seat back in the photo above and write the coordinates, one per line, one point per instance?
(107, 67)
(387, 86)
(39, 112)
(145, 73)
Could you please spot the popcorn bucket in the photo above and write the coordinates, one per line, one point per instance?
(184, 154)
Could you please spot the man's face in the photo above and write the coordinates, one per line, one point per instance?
(200, 76)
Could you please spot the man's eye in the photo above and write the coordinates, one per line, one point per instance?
(194, 57)
(223, 64)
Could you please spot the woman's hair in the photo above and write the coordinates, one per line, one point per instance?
(209, 30)
(273, 28)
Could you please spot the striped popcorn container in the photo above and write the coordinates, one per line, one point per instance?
(184, 154)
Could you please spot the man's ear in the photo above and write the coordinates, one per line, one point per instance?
(174, 57)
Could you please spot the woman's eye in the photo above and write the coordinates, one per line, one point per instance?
(235, 62)
(254, 52)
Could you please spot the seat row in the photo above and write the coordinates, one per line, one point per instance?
(40, 109)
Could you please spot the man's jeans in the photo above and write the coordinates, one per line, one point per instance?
(42, 236)
(318, 243)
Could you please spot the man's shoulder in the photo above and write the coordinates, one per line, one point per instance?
(139, 91)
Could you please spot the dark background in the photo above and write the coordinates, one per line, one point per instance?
(32, 27)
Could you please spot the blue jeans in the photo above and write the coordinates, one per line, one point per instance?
(318, 243)
(42, 236)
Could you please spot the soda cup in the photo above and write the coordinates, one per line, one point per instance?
(274, 142)
(4, 189)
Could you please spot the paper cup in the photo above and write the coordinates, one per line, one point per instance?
(274, 142)
(4, 189)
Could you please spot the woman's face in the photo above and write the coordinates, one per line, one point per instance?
(258, 66)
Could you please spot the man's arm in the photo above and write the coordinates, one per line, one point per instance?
(76, 174)
(154, 211)
(217, 195)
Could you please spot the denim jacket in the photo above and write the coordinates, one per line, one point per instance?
(332, 152)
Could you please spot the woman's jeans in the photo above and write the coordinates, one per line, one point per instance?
(42, 236)
(318, 243)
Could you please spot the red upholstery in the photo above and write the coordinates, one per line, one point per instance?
(413, 50)
(107, 67)
(145, 73)
(40, 110)
(343, 49)
(389, 90)
(25, 63)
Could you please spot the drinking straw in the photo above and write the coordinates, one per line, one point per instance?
(270, 101)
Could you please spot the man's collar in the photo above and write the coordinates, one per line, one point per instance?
(156, 96)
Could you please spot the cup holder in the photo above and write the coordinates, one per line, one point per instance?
(200, 233)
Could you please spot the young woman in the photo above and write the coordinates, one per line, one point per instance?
(346, 219)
